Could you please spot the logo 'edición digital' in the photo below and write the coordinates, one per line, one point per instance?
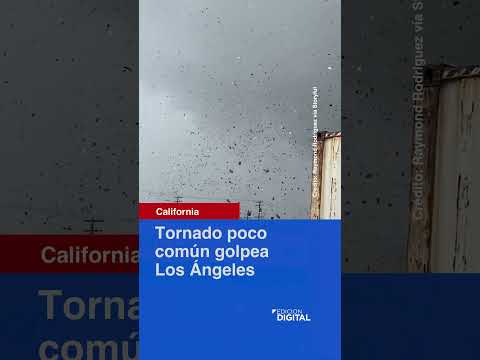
(291, 315)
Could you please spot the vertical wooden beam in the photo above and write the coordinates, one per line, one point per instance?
(317, 177)
(423, 175)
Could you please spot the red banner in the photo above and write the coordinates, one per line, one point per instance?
(189, 211)
(68, 253)
(97, 253)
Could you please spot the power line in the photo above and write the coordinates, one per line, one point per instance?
(259, 210)
(228, 199)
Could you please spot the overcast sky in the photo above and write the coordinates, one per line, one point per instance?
(225, 99)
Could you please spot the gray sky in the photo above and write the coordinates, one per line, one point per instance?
(225, 99)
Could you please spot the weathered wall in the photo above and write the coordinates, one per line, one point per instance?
(456, 203)
(326, 179)
(330, 205)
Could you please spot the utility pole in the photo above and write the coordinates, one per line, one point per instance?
(259, 209)
(92, 229)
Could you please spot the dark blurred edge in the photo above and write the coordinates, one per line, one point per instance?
(69, 115)
(69, 154)
(378, 54)
(395, 315)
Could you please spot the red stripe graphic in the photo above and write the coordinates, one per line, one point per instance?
(189, 211)
(69, 253)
